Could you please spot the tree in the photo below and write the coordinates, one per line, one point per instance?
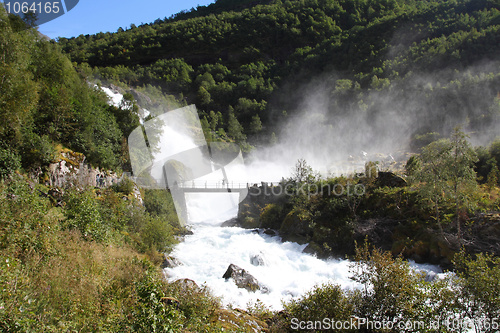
(215, 118)
(393, 292)
(478, 279)
(255, 125)
(127, 115)
(304, 173)
(203, 97)
(273, 139)
(493, 174)
(18, 90)
(463, 176)
(234, 128)
(206, 129)
(446, 172)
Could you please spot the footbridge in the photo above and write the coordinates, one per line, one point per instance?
(179, 189)
(213, 187)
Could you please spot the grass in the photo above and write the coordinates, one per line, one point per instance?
(55, 278)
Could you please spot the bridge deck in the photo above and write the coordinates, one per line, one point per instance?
(212, 190)
(216, 187)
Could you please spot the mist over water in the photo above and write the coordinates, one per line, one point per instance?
(330, 128)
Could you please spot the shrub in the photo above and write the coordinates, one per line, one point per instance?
(155, 233)
(150, 314)
(393, 292)
(125, 186)
(82, 213)
(160, 203)
(197, 306)
(9, 162)
(325, 301)
(271, 216)
(479, 281)
(26, 225)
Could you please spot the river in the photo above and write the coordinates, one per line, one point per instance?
(281, 267)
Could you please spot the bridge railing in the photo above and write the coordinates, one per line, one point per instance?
(211, 184)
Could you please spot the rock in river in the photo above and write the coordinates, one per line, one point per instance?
(242, 278)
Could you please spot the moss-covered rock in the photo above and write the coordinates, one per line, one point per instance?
(238, 320)
(295, 226)
(264, 201)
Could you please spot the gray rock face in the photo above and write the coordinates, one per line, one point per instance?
(234, 222)
(257, 260)
(242, 278)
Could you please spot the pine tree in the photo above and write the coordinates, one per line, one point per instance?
(273, 140)
(234, 128)
(255, 124)
(446, 173)
(493, 174)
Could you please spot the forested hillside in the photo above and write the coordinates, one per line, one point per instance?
(46, 105)
(250, 61)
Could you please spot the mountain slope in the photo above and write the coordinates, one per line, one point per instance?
(252, 62)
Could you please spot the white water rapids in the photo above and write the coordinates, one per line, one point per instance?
(286, 271)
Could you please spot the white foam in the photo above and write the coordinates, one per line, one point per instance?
(287, 272)
(115, 97)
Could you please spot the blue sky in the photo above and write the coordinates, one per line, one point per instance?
(93, 16)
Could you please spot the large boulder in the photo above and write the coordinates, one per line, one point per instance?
(390, 179)
(186, 285)
(242, 278)
(234, 222)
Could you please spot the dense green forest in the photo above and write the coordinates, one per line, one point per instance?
(47, 105)
(253, 62)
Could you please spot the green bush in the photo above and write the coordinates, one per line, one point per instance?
(479, 282)
(117, 211)
(155, 234)
(82, 212)
(160, 203)
(125, 186)
(391, 291)
(150, 314)
(27, 225)
(325, 301)
(37, 151)
(10, 161)
(271, 216)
